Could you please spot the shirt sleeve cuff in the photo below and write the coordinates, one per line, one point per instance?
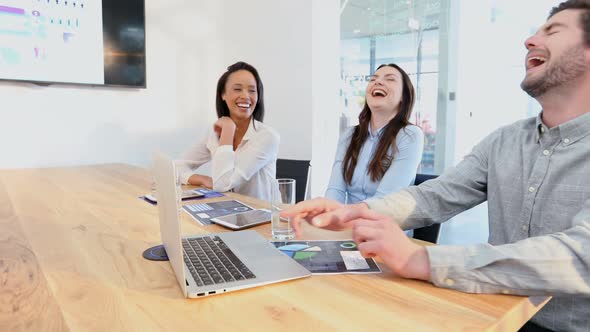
(447, 264)
(223, 154)
(399, 206)
(224, 148)
(453, 267)
(185, 176)
(376, 204)
(223, 161)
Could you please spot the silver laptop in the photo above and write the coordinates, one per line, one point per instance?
(215, 263)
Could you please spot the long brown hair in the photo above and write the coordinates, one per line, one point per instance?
(381, 160)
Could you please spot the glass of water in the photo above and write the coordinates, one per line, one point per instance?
(282, 196)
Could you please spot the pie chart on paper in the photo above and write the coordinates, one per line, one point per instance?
(300, 251)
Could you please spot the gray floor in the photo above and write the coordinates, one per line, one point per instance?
(469, 227)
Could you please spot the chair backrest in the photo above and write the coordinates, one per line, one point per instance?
(298, 170)
(427, 233)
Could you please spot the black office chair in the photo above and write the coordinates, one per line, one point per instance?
(298, 170)
(427, 233)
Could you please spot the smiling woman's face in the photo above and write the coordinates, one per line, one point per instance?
(385, 89)
(240, 95)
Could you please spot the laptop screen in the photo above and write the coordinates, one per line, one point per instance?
(165, 176)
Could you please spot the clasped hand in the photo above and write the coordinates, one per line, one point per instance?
(375, 234)
(224, 123)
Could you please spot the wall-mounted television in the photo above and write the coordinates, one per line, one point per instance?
(96, 42)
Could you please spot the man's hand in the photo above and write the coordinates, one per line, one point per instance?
(377, 235)
(318, 212)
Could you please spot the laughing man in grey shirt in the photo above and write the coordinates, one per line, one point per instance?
(535, 175)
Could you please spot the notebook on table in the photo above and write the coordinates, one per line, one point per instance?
(186, 195)
(189, 194)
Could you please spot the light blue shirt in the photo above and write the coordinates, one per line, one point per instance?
(401, 173)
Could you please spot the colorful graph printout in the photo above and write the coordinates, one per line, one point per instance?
(328, 257)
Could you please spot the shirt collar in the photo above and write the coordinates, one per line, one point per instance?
(251, 130)
(570, 131)
(541, 127)
(377, 133)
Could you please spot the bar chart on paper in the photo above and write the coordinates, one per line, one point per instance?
(328, 257)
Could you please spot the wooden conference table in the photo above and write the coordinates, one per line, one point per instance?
(70, 259)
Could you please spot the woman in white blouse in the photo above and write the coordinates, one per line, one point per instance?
(242, 150)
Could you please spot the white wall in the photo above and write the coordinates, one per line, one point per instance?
(189, 44)
(275, 37)
(326, 103)
(71, 125)
(490, 66)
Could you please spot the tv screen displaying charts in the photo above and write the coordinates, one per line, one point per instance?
(96, 42)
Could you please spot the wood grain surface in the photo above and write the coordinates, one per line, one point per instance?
(71, 241)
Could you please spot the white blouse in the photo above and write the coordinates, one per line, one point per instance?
(249, 170)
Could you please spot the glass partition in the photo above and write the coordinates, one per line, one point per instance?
(374, 32)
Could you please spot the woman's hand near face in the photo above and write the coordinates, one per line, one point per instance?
(225, 128)
(224, 123)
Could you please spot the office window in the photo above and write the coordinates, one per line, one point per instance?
(465, 58)
(375, 32)
(489, 66)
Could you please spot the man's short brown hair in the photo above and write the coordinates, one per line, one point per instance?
(584, 18)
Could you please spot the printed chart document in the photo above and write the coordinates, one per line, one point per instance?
(328, 257)
(203, 212)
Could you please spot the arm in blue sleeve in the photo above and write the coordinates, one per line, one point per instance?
(337, 186)
(402, 172)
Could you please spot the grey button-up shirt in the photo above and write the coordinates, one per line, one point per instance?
(537, 184)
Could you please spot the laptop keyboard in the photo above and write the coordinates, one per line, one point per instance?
(210, 261)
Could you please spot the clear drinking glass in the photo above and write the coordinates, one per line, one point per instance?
(282, 196)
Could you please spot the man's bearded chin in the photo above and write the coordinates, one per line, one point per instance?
(568, 67)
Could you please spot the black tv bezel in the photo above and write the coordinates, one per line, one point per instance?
(63, 83)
